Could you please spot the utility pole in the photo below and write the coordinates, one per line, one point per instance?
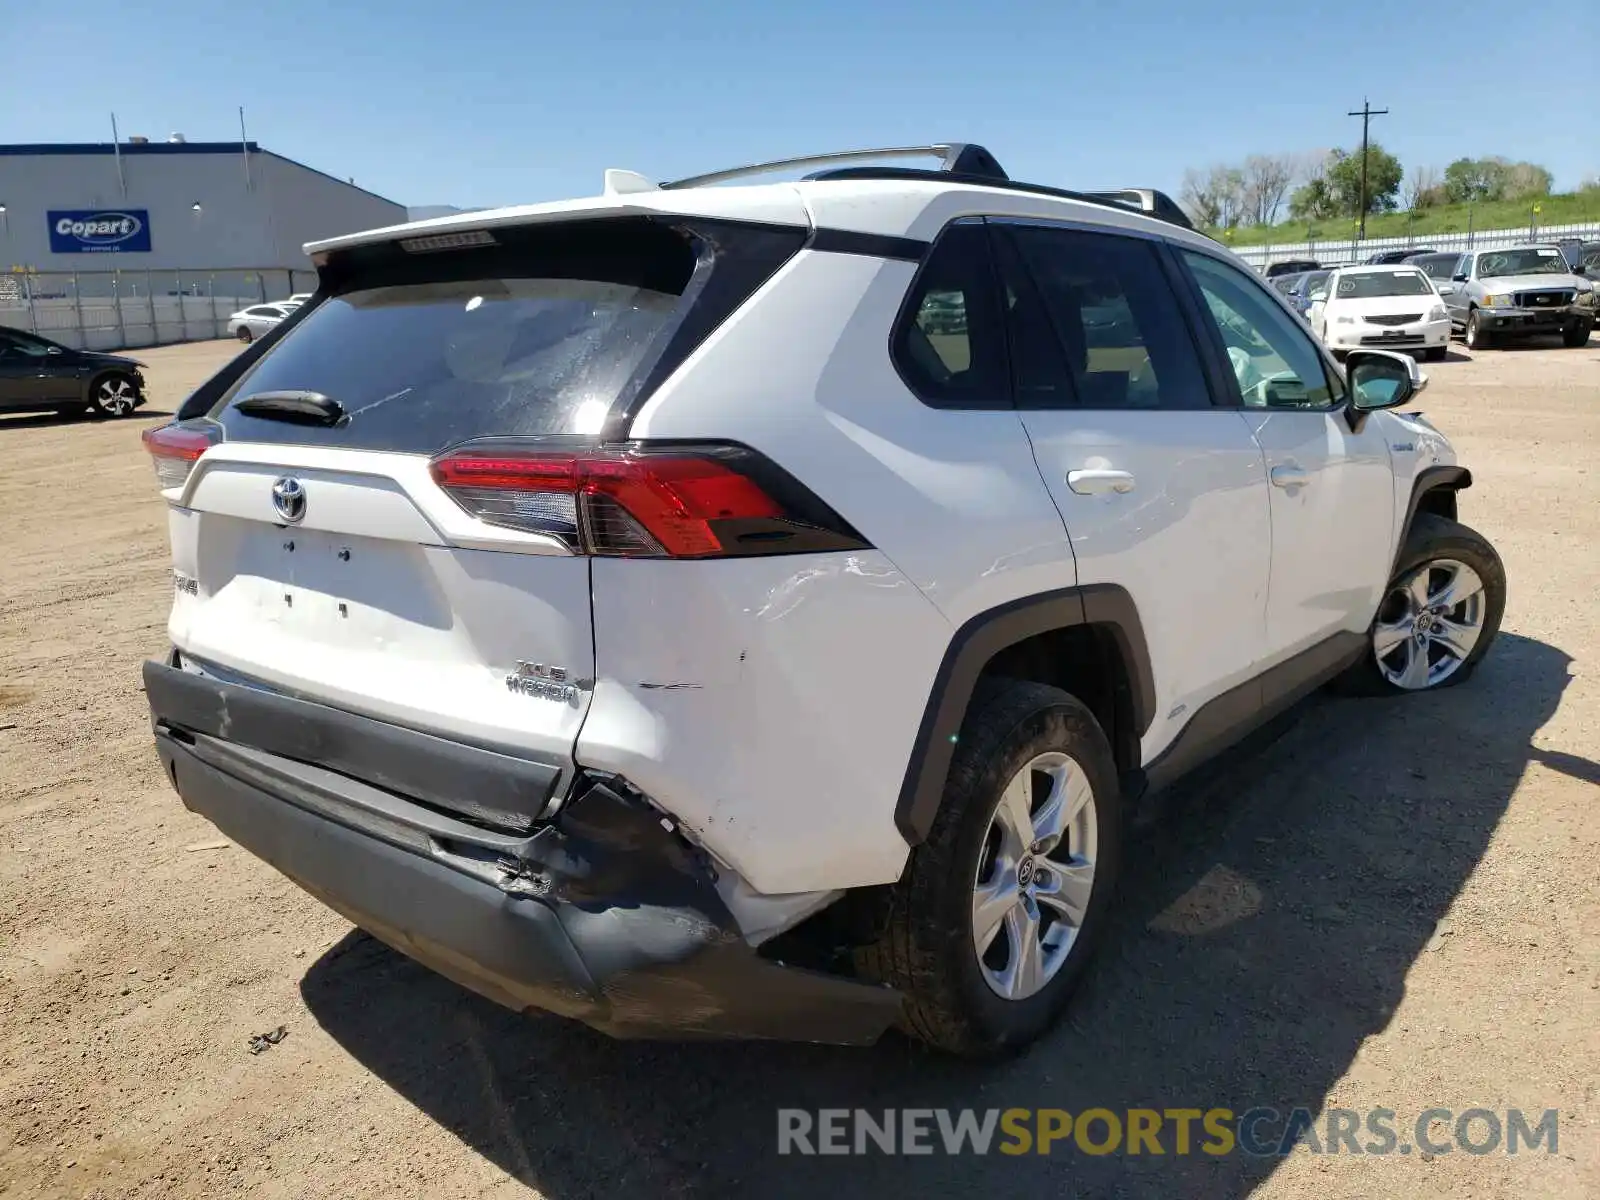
(1366, 112)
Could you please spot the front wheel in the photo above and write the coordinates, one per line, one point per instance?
(1440, 613)
(114, 396)
(1476, 337)
(1575, 335)
(997, 913)
(243, 334)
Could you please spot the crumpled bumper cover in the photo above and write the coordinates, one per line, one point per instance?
(605, 914)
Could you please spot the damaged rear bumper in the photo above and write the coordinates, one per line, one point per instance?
(604, 914)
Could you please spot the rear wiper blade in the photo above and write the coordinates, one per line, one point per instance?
(305, 408)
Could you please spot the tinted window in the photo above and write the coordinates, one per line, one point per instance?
(949, 344)
(535, 336)
(22, 345)
(1273, 358)
(1438, 266)
(1095, 323)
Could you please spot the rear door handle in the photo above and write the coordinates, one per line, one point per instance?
(1290, 476)
(1098, 482)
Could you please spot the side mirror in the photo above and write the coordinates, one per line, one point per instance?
(1319, 295)
(53, 350)
(1459, 278)
(1579, 269)
(1380, 379)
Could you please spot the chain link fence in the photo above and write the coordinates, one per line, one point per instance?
(1329, 251)
(121, 310)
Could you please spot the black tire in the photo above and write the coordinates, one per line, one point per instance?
(1435, 353)
(1474, 335)
(1435, 538)
(244, 334)
(1575, 335)
(926, 948)
(113, 395)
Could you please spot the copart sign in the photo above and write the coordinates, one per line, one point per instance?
(90, 231)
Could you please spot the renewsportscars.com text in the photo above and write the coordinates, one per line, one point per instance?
(1261, 1131)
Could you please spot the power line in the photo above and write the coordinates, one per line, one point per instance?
(1366, 112)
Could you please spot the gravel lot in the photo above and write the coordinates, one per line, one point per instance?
(1395, 904)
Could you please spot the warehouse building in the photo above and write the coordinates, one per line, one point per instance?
(140, 242)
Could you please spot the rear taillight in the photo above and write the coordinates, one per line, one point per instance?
(648, 501)
(174, 450)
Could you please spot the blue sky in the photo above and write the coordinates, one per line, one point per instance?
(479, 102)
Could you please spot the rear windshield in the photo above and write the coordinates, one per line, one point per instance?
(1438, 266)
(1383, 283)
(425, 350)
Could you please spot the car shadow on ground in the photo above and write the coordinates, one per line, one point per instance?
(35, 420)
(1267, 925)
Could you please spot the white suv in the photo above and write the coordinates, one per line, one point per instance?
(755, 610)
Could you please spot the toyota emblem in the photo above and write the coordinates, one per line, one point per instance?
(289, 498)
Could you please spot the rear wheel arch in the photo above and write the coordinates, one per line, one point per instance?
(1086, 640)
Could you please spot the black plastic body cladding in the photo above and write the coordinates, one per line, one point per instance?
(970, 650)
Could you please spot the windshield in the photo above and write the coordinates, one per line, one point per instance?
(1312, 280)
(1537, 260)
(1383, 283)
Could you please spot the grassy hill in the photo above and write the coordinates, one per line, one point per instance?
(1569, 208)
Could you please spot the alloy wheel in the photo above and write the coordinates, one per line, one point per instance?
(115, 397)
(1429, 623)
(1035, 875)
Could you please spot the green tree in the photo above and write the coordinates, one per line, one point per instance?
(1469, 179)
(1384, 174)
(1311, 201)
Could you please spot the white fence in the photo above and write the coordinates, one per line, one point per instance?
(1336, 250)
(119, 310)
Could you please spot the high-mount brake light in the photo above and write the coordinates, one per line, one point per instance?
(174, 450)
(700, 502)
(447, 241)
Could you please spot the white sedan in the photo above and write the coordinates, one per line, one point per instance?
(1388, 307)
(250, 323)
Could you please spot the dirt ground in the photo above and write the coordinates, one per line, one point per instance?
(1394, 905)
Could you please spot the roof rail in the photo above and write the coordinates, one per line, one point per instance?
(1148, 201)
(959, 162)
(962, 158)
(1145, 200)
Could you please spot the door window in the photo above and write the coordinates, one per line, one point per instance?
(20, 345)
(1094, 323)
(1274, 360)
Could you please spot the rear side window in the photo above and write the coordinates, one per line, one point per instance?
(1095, 323)
(542, 333)
(949, 343)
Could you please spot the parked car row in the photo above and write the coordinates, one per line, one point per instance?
(1416, 299)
